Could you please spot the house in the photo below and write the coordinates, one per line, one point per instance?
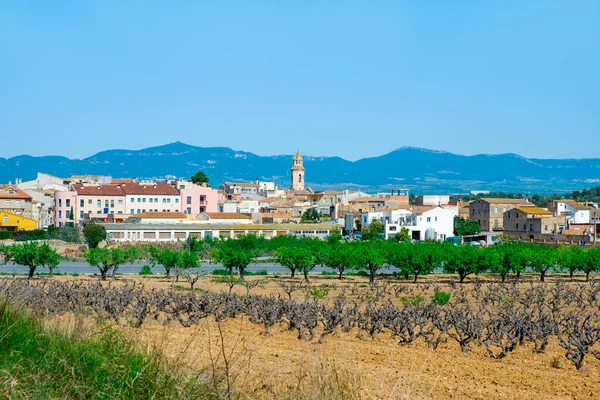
(577, 213)
(224, 218)
(15, 201)
(539, 224)
(157, 197)
(196, 199)
(423, 222)
(489, 212)
(14, 222)
(432, 200)
(97, 201)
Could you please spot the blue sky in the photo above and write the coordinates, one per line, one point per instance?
(352, 79)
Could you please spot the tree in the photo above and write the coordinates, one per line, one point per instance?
(295, 258)
(94, 234)
(168, 258)
(541, 258)
(105, 259)
(370, 257)
(237, 253)
(340, 257)
(465, 227)
(310, 215)
(372, 230)
(71, 214)
(199, 178)
(189, 265)
(571, 258)
(403, 235)
(508, 258)
(591, 261)
(464, 260)
(32, 255)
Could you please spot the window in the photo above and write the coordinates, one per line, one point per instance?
(168, 200)
(435, 219)
(5, 219)
(504, 209)
(545, 227)
(188, 210)
(144, 200)
(143, 210)
(495, 223)
(300, 178)
(177, 200)
(68, 203)
(188, 200)
(80, 214)
(18, 202)
(89, 201)
(99, 203)
(138, 211)
(7, 202)
(495, 210)
(59, 214)
(133, 199)
(112, 203)
(202, 209)
(428, 219)
(156, 199)
(119, 212)
(120, 201)
(59, 202)
(164, 200)
(150, 200)
(131, 212)
(139, 199)
(81, 203)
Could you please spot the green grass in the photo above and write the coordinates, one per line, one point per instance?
(44, 363)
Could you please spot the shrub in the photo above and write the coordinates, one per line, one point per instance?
(414, 300)
(146, 270)
(441, 298)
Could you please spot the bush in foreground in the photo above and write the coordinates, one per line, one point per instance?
(39, 362)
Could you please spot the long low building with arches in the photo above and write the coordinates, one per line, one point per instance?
(136, 232)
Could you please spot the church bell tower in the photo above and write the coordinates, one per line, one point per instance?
(297, 173)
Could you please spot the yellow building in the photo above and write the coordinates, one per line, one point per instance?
(13, 222)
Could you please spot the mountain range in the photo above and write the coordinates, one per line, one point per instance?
(423, 171)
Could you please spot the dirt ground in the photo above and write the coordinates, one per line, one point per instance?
(266, 366)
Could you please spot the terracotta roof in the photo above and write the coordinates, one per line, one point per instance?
(97, 190)
(422, 209)
(504, 201)
(161, 189)
(534, 210)
(16, 193)
(574, 204)
(225, 215)
(160, 215)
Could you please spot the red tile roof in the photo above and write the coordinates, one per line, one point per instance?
(97, 190)
(162, 189)
(16, 193)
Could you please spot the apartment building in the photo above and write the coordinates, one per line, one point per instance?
(489, 212)
(15, 201)
(156, 197)
(196, 199)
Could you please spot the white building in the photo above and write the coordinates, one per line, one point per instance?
(423, 222)
(577, 213)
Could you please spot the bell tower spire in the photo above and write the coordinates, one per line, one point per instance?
(297, 173)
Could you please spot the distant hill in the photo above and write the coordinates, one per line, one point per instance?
(423, 171)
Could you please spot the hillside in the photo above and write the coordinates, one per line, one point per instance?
(418, 169)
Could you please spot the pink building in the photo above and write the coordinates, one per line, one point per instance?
(196, 199)
(63, 201)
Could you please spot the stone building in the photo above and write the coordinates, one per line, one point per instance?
(489, 212)
(297, 172)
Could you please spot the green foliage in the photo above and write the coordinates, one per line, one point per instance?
(403, 235)
(146, 270)
(465, 227)
(31, 255)
(295, 258)
(441, 298)
(71, 214)
(238, 253)
(168, 258)
(320, 292)
(44, 363)
(94, 234)
(106, 259)
(369, 257)
(413, 300)
(199, 178)
(310, 215)
(372, 230)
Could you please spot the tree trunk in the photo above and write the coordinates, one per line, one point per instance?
(306, 276)
(542, 276)
(293, 272)
(31, 271)
(340, 275)
(503, 277)
(571, 274)
(415, 280)
(241, 273)
(103, 274)
(461, 277)
(192, 285)
(587, 276)
(168, 272)
(518, 274)
(372, 276)
(114, 271)
(406, 276)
